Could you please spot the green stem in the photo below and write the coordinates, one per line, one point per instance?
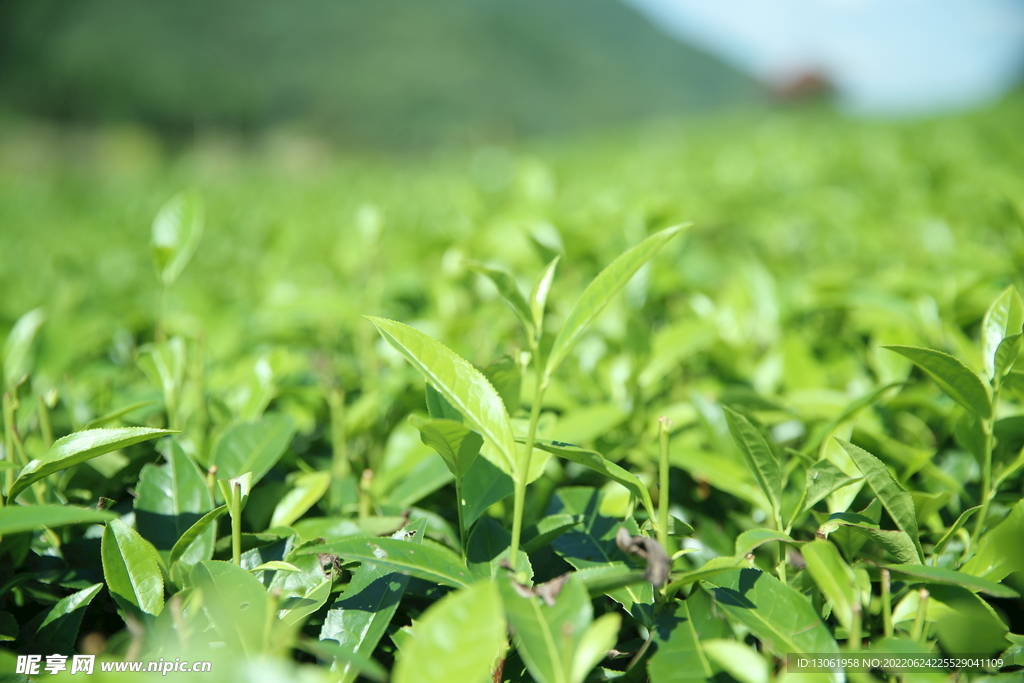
(8, 440)
(236, 523)
(922, 612)
(664, 425)
(986, 483)
(524, 470)
(887, 603)
(463, 531)
(853, 639)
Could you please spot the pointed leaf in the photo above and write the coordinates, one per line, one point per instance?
(1003, 319)
(506, 378)
(430, 561)
(459, 383)
(190, 548)
(951, 531)
(953, 377)
(954, 578)
(308, 490)
(897, 502)
(823, 479)
(360, 616)
(483, 486)
(597, 641)
(1006, 354)
(599, 292)
(18, 347)
(1000, 552)
(597, 462)
(760, 457)
(236, 603)
(171, 498)
(747, 541)
(548, 529)
(177, 229)
(58, 631)
(459, 638)
(509, 291)
(357, 664)
(77, 448)
(131, 569)
(539, 295)
(680, 656)
(489, 547)
(457, 445)
(897, 543)
(253, 447)
(15, 519)
(783, 619)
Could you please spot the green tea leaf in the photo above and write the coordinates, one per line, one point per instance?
(115, 414)
(823, 479)
(783, 619)
(177, 229)
(759, 456)
(600, 291)
(834, 578)
(235, 602)
(597, 462)
(459, 638)
(596, 643)
(488, 547)
(483, 486)
(954, 578)
(253, 447)
(897, 543)
(459, 383)
(893, 497)
(679, 657)
(1006, 354)
(431, 562)
(548, 529)
(505, 376)
(509, 291)
(539, 295)
(1000, 552)
(357, 664)
(18, 347)
(747, 541)
(951, 531)
(737, 659)
(190, 548)
(170, 499)
(953, 377)
(1003, 319)
(77, 448)
(361, 615)
(131, 569)
(58, 631)
(15, 519)
(457, 445)
(309, 488)
(547, 636)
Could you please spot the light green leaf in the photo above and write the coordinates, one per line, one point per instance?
(954, 578)
(783, 619)
(459, 383)
(115, 414)
(183, 557)
(759, 456)
(893, 497)
(539, 295)
(547, 636)
(834, 577)
(170, 499)
(357, 664)
(430, 561)
(1003, 319)
(309, 488)
(77, 448)
(506, 377)
(680, 656)
(1000, 552)
(747, 541)
(1006, 354)
(58, 630)
(600, 291)
(953, 377)
(276, 566)
(457, 445)
(18, 347)
(14, 519)
(737, 659)
(459, 638)
(509, 291)
(361, 615)
(253, 447)
(131, 569)
(244, 484)
(597, 641)
(236, 603)
(176, 232)
(597, 462)
(898, 543)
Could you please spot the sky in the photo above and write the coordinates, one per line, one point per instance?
(888, 57)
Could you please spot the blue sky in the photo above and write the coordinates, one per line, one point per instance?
(883, 56)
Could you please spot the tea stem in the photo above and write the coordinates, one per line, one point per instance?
(236, 523)
(523, 475)
(887, 603)
(664, 426)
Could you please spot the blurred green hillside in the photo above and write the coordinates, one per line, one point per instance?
(367, 72)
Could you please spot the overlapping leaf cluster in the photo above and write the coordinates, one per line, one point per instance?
(226, 462)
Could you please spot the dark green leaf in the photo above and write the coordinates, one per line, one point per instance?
(679, 657)
(131, 569)
(893, 497)
(170, 499)
(953, 377)
(548, 529)
(77, 448)
(483, 486)
(490, 545)
(759, 456)
(15, 519)
(58, 631)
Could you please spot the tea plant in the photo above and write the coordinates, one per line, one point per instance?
(686, 472)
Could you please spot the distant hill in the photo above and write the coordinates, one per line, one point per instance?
(369, 71)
